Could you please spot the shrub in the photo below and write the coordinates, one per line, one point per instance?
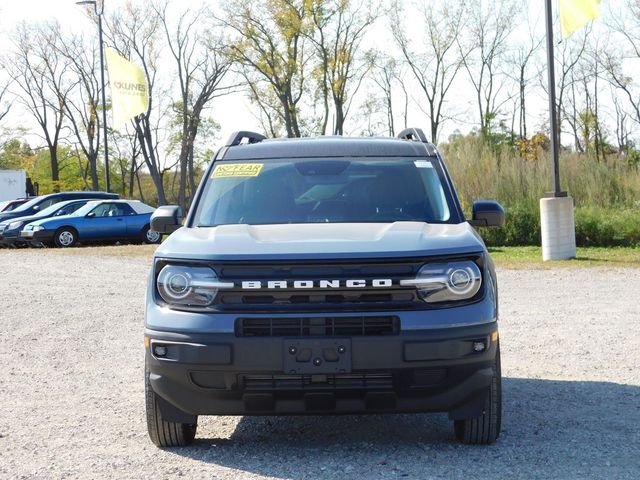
(606, 193)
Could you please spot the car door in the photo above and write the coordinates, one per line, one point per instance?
(136, 222)
(106, 221)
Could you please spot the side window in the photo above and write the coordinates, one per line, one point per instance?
(68, 209)
(47, 203)
(73, 207)
(103, 210)
(126, 209)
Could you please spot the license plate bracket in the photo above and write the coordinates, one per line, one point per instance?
(316, 356)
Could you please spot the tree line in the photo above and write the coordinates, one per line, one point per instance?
(310, 67)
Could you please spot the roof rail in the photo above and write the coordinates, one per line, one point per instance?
(236, 138)
(417, 135)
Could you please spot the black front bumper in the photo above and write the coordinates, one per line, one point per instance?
(415, 371)
(37, 238)
(11, 239)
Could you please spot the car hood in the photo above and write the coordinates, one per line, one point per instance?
(54, 222)
(318, 241)
(26, 219)
(10, 215)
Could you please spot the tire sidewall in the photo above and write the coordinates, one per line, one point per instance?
(157, 238)
(65, 237)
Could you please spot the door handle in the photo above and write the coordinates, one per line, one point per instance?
(119, 219)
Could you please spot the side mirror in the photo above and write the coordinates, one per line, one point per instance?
(487, 213)
(36, 208)
(166, 219)
(90, 214)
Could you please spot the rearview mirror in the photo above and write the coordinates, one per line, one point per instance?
(487, 213)
(166, 219)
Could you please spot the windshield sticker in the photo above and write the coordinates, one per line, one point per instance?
(423, 164)
(237, 170)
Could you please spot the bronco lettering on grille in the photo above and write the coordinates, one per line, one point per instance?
(308, 284)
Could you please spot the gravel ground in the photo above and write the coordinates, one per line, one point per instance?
(72, 404)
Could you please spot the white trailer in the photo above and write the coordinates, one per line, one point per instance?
(13, 184)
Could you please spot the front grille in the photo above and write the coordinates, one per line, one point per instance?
(317, 382)
(398, 296)
(297, 299)
(319, 326)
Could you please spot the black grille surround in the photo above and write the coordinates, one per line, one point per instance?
(288, 300)
(382, 380)
(406, 382)
(317, 326)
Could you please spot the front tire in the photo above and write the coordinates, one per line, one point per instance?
(163, 433)
(65, 237)
(485, 429)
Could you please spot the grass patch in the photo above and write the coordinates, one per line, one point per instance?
(504, 257)
(531, 257)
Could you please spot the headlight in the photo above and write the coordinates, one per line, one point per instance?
(14, 225)
(446, 282)
(185, 285)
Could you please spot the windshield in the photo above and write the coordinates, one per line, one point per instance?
(27, 205)
(50, 210)
(324, 191)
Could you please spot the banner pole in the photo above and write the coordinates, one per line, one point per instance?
(554, 137)
(104, 104)
(557, 220)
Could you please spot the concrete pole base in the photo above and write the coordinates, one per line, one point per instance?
(558, 228)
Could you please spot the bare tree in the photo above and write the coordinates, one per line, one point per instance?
(521, 58)
(39, 71)
(135, 32)
(82, 101)
(127, 154)
(4, 106)
(268, 106)
(270, 44)
(201, 69)
(387, 76)
(626, 23)
(622, 129)
(571, 53)
(489, 31)
(436, 65)
(339, 27)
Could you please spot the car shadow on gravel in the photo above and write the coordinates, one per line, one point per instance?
(550, 429)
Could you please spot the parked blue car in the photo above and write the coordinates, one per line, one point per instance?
(10, 229)
(97, 221)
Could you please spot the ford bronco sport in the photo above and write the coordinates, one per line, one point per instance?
(323, 276)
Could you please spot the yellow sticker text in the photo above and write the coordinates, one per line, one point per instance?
(237, 170)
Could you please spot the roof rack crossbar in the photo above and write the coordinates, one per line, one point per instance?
(415, 134)
(236, 138)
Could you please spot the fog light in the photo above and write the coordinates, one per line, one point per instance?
(159, 350)
(478, 346)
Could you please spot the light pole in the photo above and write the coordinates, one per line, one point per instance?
(557, 221)
(104, 98)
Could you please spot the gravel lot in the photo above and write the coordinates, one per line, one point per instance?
(72, 404)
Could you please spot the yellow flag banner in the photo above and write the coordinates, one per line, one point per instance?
(575, 14)
(129, 94)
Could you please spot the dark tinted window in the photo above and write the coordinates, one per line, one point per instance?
(70, 208)
(324, 191)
